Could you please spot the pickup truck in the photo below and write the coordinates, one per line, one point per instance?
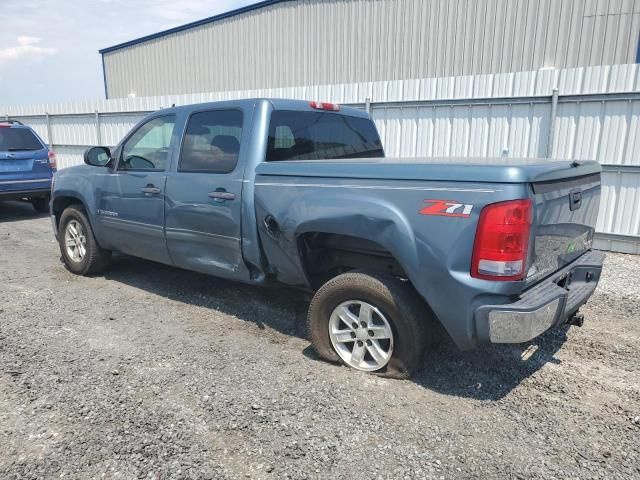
(263, 191)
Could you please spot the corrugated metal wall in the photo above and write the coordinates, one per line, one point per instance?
(509, 114)
(311, 42)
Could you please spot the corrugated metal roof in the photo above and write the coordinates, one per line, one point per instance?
(188, 26)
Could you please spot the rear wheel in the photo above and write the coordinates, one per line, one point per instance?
(41, 204)
(80, 251)
(371, 322)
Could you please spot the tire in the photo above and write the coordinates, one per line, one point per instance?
(393, 300)
(41, 204)
(95, 259)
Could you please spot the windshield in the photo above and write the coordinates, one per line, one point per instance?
(18, 139)
(295, 135)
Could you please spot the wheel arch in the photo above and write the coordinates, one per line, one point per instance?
(324, 255)
(62, 202)
(371, 227)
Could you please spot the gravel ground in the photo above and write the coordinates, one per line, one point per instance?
(154, 372)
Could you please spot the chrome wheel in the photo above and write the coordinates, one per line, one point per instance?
(75, 241)
(361, 335)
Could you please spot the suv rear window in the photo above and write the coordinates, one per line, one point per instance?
(18, 139)
(295, 135)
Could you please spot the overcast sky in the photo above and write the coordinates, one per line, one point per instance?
(49, 48)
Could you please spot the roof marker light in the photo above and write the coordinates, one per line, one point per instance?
(331, 107)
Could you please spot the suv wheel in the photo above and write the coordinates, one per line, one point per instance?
(41, 204)
(80, 251)
(371, 322)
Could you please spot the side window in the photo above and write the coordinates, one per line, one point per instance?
(148, 147)
(212, 142)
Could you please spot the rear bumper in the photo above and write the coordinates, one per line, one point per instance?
(545, 305)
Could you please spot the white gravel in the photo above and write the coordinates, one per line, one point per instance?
(154, 372)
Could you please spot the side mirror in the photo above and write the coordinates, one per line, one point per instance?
(97, 156)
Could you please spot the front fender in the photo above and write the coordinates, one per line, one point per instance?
(77, 183)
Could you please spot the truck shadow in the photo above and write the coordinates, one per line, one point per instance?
(487, 373)
(490, 372)
(11, 211)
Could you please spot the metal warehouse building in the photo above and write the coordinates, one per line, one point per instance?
(284, 43)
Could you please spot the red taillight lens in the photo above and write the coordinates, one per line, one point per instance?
(502, 241)
(332, 107)
(52, 160)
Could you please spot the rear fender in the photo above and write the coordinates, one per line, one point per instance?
(376, 220)
(434, 250)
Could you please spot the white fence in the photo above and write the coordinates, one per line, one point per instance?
(597, 116)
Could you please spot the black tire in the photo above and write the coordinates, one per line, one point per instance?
(41, 204)
(397, 300)
(96, 259)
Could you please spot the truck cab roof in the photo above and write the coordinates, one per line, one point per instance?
(276, 104)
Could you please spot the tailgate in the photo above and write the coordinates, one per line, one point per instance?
(566, 210)
(24, 170)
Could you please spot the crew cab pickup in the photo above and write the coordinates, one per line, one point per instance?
(262, 191)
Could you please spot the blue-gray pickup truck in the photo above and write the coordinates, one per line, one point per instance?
(300, 193)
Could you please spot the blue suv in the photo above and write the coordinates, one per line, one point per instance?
(26, 165)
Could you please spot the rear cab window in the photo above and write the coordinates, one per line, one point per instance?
(300, 135)
(18, 140)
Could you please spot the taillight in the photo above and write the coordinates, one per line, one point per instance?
(332, 107)
(52, 160)
(502, 241)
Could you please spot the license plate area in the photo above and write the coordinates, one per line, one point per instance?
(15, 166)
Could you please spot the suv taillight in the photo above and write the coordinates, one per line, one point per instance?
(502, 241)
(52, 160)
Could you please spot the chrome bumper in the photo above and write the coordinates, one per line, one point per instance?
(546, 304)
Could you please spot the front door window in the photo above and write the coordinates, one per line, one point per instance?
(148, 147)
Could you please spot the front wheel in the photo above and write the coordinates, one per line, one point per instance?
(371, 322)
(81, 253)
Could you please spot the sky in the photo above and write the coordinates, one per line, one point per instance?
(49, 48)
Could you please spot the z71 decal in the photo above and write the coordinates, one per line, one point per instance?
(446, 208)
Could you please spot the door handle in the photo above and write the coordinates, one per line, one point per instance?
(222, 195)
(575, 199)
(150, 190)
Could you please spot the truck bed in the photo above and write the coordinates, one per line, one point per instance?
(491, 170)
(382, 201)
